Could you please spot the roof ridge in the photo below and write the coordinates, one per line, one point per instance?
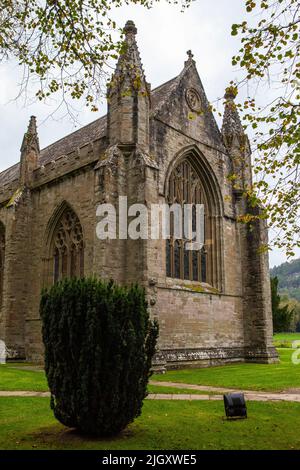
(174, 82)
(74, 132)
(163, 84)
(10, 167)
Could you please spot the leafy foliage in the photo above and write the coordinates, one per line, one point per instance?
(282, 315)
(66, 44)
(99, 343)
(288, 275)
(293, 305)
(270, 56)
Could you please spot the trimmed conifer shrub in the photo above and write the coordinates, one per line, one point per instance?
(99, 343)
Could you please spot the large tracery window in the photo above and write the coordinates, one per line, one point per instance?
(2, 254)
(67, 246)
(185, 187)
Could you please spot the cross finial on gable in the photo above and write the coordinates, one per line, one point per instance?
(190, 54)
(190, 59)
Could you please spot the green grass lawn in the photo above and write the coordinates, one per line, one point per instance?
(287, 336)
(273, 377)
(16, 377)
(285, 340)
(28, 423)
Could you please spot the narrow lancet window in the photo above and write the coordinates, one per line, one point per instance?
(68, 254)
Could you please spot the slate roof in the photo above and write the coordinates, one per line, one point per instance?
(10, 174)
(89, 133)
(159, 95)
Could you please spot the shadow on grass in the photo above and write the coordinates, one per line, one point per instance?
(58, 436)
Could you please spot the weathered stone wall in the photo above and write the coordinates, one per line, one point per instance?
(15, 287)
(198, 326)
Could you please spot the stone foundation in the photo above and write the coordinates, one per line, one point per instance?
(207, 357)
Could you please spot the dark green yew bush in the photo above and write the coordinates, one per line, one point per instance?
(99, 343)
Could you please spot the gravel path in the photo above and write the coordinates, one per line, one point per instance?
(249, 395)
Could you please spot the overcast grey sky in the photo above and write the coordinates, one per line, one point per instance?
(164, 36)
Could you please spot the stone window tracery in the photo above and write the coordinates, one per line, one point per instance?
(185, 188)
(68, 247)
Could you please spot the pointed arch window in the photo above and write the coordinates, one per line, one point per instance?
(185, 187)
(2, 257)
(68, 247)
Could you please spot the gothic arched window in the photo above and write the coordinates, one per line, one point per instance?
(185, 187)
(67, 247)
(2, 255)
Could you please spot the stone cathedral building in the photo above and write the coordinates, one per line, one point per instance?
(153, 146)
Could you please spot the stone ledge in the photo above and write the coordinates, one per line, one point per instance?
(206, 357)
(182, 288)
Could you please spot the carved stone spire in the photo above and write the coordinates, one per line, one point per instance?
(31, 140)
(30, 151)
(129, 96)
(232, 125)
(236, 142)
(129, 63)
(129, 70)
